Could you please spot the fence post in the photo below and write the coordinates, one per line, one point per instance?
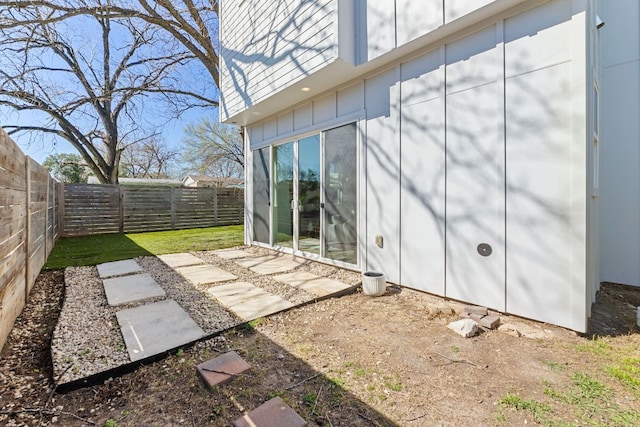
(121, 208)
(215, 206)
(27, 228)
(173, 207)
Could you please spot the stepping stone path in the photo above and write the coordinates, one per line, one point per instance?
(273, 413)
(118, 268)
(270, 264)
(248, 301)
(231, 253)
(222, 368)
(151, 329)
(316, 285)
(126, 289)
(205, 274)
(180, 260)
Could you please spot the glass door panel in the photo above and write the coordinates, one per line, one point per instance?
(283, 194)
(309, 194)
(340, 194)
(261, 195)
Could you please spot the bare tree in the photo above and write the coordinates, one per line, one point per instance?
(213, 149)
(192, 23)
(150, 158)
(93, 89)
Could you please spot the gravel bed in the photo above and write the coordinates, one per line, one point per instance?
(87, 339)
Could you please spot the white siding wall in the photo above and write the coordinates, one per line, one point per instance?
(545, 222)
(287, 40)
(620, 142)
(480, 139)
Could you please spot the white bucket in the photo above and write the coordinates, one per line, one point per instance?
(374, 283)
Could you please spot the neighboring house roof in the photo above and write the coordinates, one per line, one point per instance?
(140, 181)
(211, 181)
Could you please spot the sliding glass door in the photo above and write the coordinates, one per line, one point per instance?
(340, 194)
(283, 203)
(314, 206)
(309, 194)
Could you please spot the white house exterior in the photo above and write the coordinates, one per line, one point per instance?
(452, 144)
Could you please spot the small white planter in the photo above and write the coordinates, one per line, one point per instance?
(373, 283)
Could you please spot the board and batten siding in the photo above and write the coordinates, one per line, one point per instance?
(287, 41)
(478, 140)
(620, 147)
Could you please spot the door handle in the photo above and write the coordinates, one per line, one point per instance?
(293, 204)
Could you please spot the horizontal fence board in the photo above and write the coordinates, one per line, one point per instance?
(28, 212)
(147, 208)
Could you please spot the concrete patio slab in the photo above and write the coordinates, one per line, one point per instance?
(180, 260)
(248, 301)
(316, 285)
(273, 413)
(118, 268)
(222, 369)
(232, 253)
(126, 289)
(151, 329)
(204, 274)
(271, 264)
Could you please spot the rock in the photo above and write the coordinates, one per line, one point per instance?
(490, 322)
(464, 327)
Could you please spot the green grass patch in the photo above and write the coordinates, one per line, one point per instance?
(538, 410)
(92, 250)
(628, 373)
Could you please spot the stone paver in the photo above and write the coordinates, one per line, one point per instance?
(204, 274)
(270, 264)
(248, 301)
(118, 268)
(273, 413)
(316, 285)
(180, 260)
(151, 329)
(126, 289)
(222, 368)
(232, 253)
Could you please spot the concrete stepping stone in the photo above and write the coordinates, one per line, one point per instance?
(316, 285)
(273, 413)
(231, 253)
(248, 301)
(151, 329)
(180, 260)
(118, 268)
(222, 368)
(126, 289)
(270, 264)
(205, 274)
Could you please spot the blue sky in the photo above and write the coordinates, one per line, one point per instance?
(39, 147)
(146, 116)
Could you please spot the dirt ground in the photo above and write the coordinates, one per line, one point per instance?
(349, 361)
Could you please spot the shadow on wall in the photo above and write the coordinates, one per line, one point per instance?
(503, 151)
(283, 42)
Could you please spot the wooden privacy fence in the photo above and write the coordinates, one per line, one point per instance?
(98, 208)
(29, 225)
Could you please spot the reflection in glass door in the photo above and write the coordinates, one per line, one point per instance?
(309, 194)
(261, 202)
(340, 194)
(283, 194)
